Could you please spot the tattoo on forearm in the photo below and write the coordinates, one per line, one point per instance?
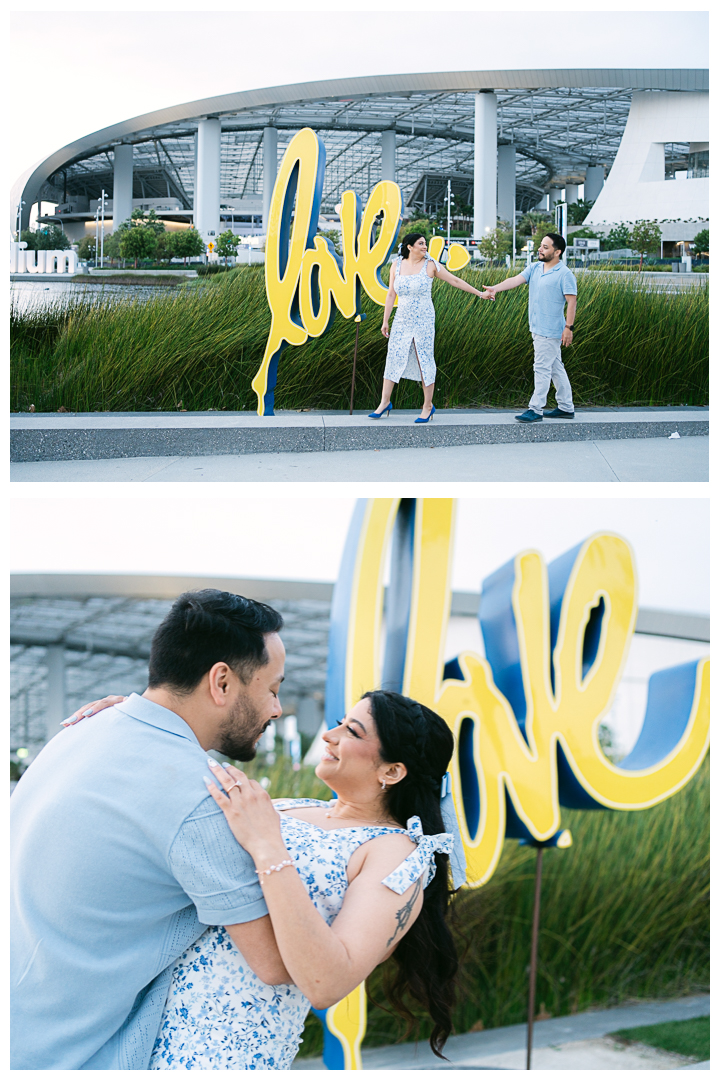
(402, 916)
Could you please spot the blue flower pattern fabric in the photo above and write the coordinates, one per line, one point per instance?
(414, 322)
(219, 1014)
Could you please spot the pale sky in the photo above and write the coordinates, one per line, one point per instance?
(220, 532)
(75, 72)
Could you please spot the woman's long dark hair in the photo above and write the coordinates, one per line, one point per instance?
(407, 242)
(426, 960)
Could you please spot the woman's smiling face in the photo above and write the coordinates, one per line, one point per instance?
(352, 749)
(419, 247)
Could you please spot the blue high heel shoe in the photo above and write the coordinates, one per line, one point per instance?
(420, 420)
(377, 415)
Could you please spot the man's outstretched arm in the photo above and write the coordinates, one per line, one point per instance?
(508, 283)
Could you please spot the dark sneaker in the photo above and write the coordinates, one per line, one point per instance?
(529, 417)
(559, 414)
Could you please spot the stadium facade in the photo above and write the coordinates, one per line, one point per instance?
(637, 140)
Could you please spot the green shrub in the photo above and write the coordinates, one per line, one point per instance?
(203, 345)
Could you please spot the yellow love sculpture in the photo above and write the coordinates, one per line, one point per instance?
(305, 280)
(525, 717)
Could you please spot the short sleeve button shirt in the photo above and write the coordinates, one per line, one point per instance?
(546, 304)
(120, 859)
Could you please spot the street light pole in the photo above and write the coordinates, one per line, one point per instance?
(449, 196)
(19, 218)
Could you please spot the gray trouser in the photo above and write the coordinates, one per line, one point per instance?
(548, 367)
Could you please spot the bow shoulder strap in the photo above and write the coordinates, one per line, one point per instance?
(420, 860)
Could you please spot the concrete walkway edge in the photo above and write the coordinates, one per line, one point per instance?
(41, 437)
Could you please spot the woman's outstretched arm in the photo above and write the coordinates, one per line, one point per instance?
(458, 283)
(325, 962)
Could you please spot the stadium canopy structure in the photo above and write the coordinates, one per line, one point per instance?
(504, 139)
(75, 637)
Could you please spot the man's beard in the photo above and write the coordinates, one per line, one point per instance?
(241, 731)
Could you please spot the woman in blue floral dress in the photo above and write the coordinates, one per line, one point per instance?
(412, 338)
(346, 885)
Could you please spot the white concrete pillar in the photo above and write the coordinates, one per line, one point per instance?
(207, 180)
(571, 193)
(122, 183)
(555, 196)
(542, 203)
(506, 182)
(194, 205)
(270, 164)
(594, 180)
(485, 165)
(388, 155)
(55, 706)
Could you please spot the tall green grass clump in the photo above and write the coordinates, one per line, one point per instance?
(203, 344)
(624, 915)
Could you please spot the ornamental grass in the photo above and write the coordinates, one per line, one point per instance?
(624, 915)
(199, 346)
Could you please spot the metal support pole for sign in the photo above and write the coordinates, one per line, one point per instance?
(533, 955)
(102, 231)
(358, 320)
(97, 228)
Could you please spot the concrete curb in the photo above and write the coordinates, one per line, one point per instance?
(103, 436)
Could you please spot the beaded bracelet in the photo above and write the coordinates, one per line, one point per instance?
(286, 862)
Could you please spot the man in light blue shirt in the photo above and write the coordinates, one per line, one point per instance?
(552, 285)
(120, 856)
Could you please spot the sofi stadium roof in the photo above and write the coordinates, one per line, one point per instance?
(560, 121)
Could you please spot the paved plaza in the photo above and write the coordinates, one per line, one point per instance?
(610, 460)
(565, 1042)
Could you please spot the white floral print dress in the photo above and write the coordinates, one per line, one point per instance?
(413, 328)
(219, 1014)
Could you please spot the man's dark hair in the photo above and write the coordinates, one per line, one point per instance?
(207, 627)
(557, 240)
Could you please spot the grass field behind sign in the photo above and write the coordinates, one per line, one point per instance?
(199, 346)
(624, 916)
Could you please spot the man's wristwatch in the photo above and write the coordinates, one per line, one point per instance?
(569, 327)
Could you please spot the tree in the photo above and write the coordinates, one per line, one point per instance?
(645, 237)
(51, 238)
(618, 237)
(186, 243)
(419, 225)
(534, 222)
(164, 249)
(495, 245)
(138, 243)
(578, 211)
(86, 249)
(227, 244)
(111, 246)
(702, 242)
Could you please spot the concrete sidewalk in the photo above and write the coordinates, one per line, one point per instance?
(614, 460)
(103, 436)
(567, 1042)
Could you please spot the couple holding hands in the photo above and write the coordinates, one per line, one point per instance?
(411, 340)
